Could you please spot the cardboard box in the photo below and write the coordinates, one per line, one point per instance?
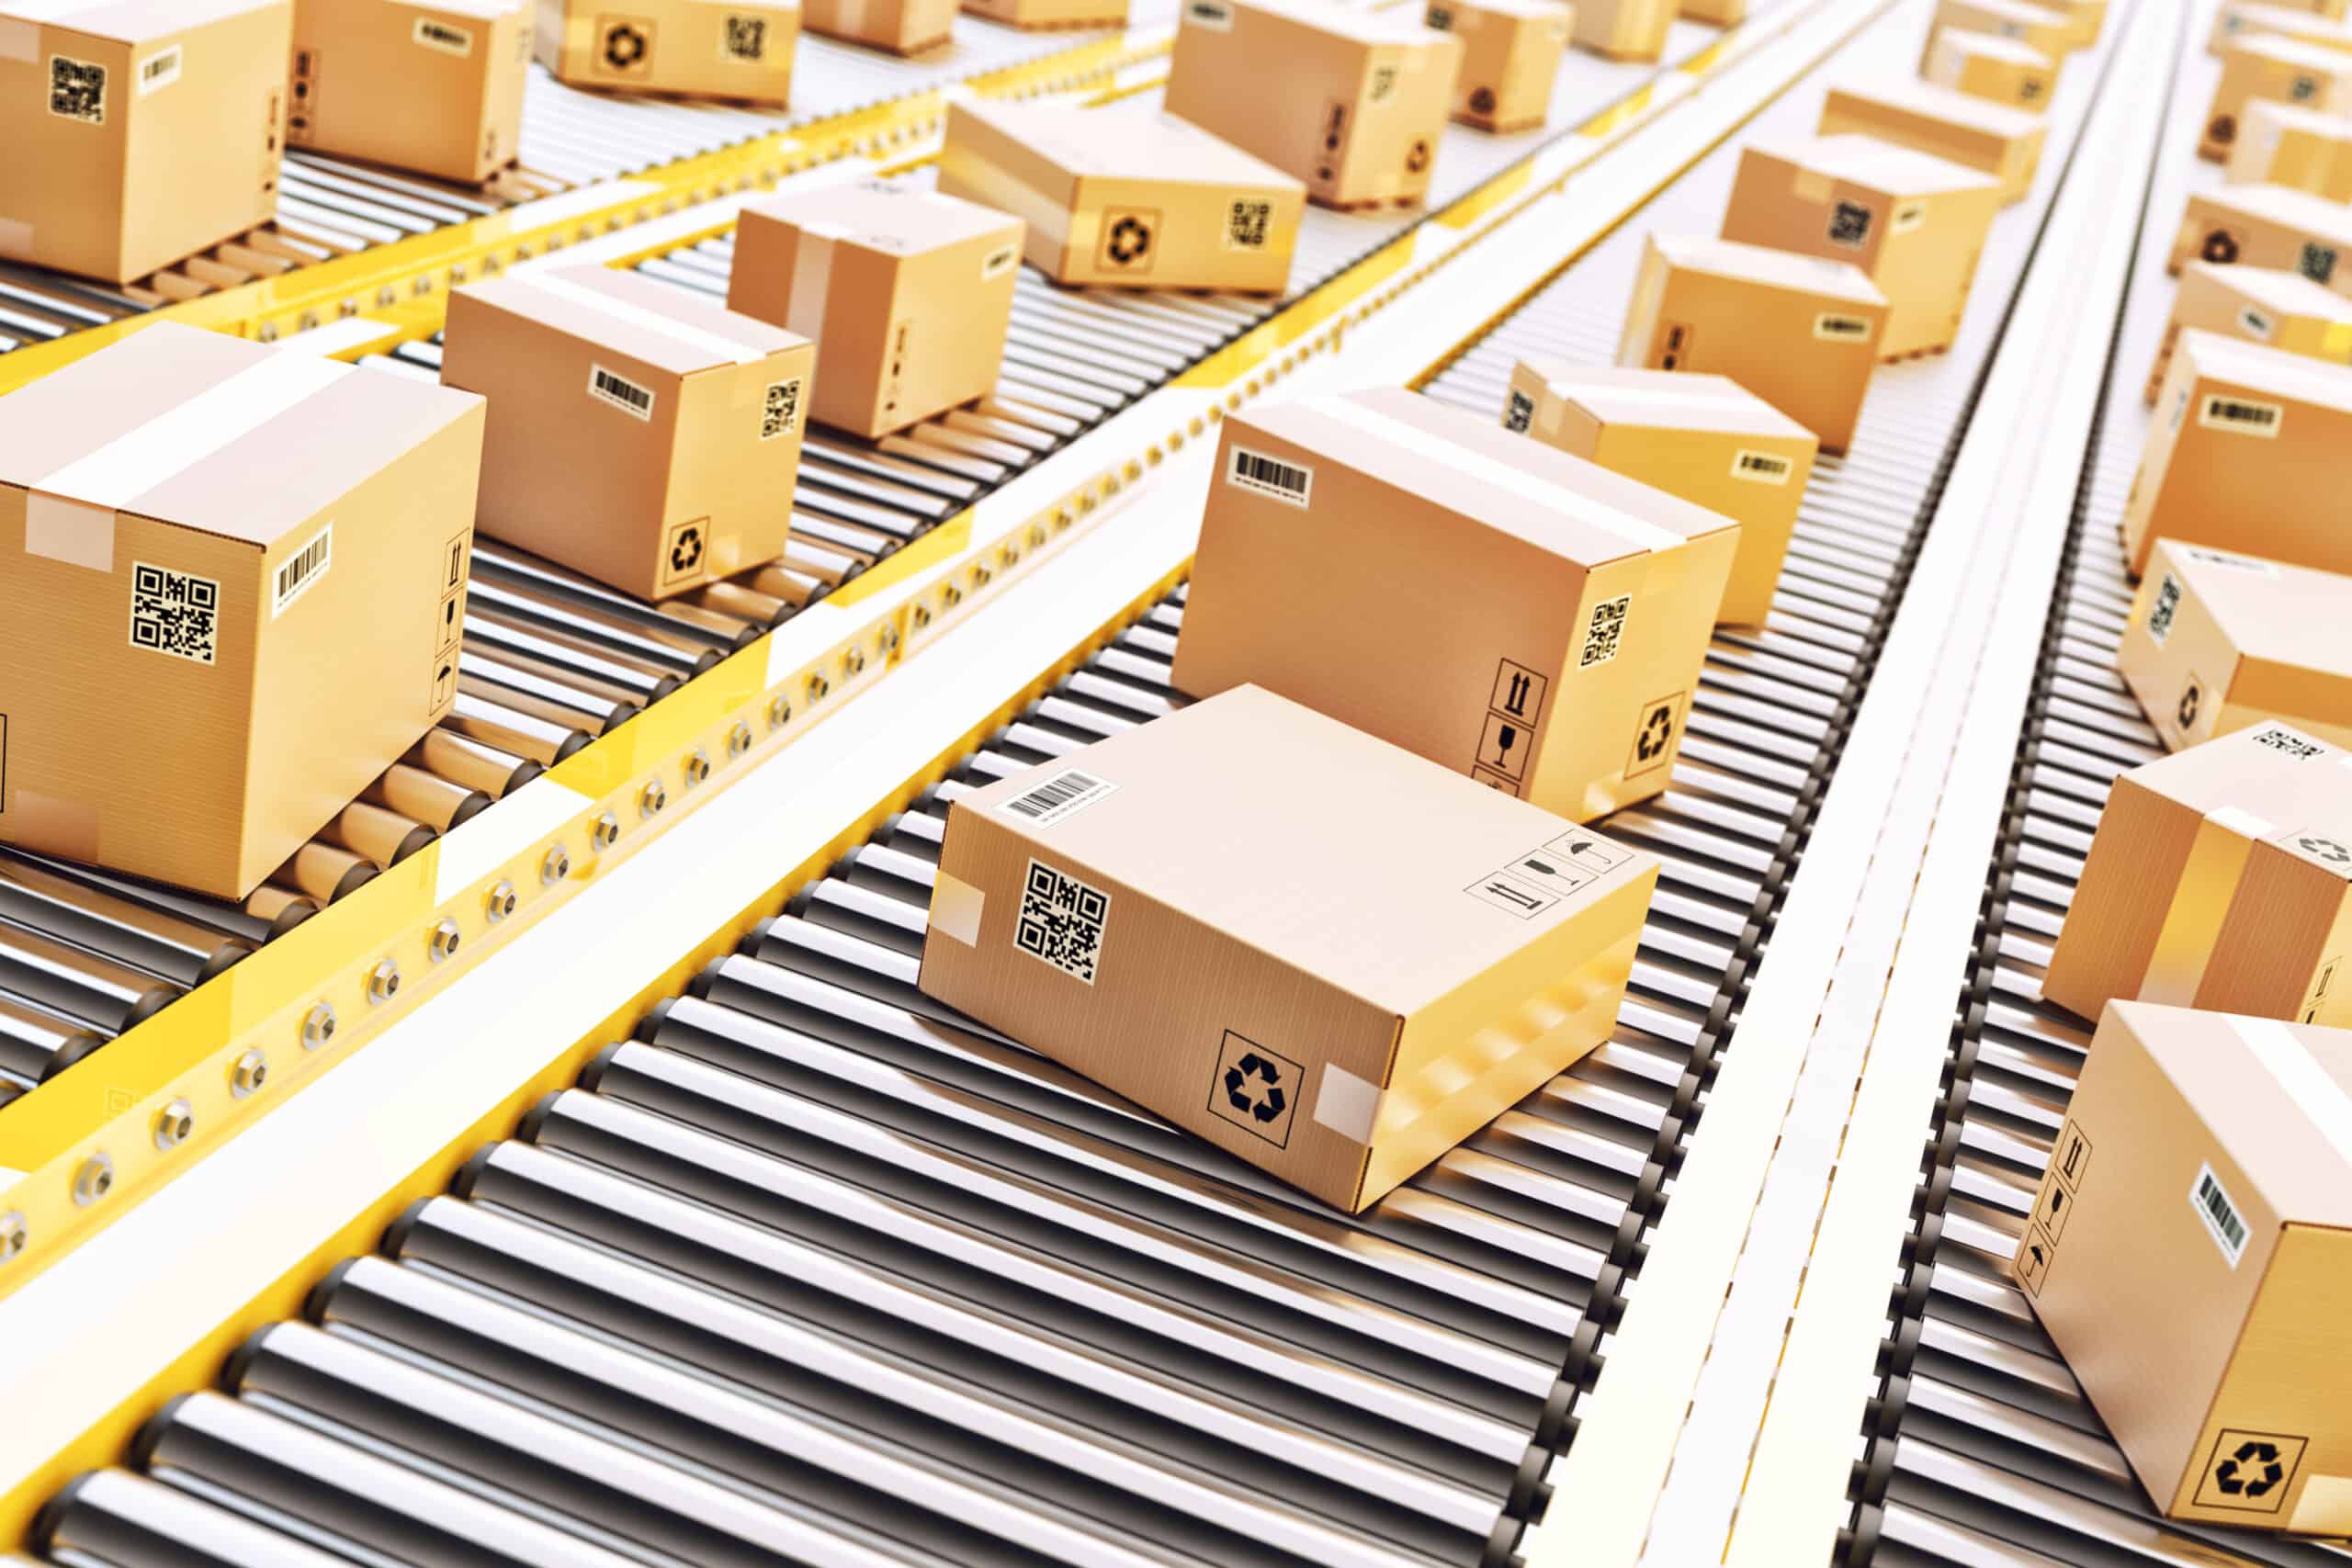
(1914, 222)
(2218, 641)
(1364, 97)
(248, 568)
(2284, 310)
(2246, 18)
(1993, 139)
(739, 51)
(1215, 915)
(902, 27)
(1986, 65)
(2191, 1252)
(2040, 28)
(1138, 200)
(1713, 13)
(136, 136)
(2280, 69)
(1048, 14)
(1800, 333)
(637, 434)
(2268, 226)
(434, 89)
(1624, 30)
(2220, 877)
(1705, 438)
(2246, 454)
(908, 290)
(1546, 586)
(2302, 148)
(1511, 56)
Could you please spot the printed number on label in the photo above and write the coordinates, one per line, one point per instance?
(1062, 922)
(301, 571)
(77, 90)
(175, 613)
(2287, 743)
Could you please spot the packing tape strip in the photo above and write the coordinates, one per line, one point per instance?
(1347, 1104)
(710, 342)
(2200, 901)
(2311, 1087)
(20, 41)
(812, 277)
(20, 30)
(849, 15)
(16, 239)
(956, 909)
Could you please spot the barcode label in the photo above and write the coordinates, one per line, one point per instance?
(1383, 85)
(2221, 1215)
(1288, 482)
(1519, 414)
(2255, 324)
(1762, 467)
(77, 90)
(1248, 224)
(2242, 415)
(1066, 794)
(2167, 605)
(999, 262)
(1841, 329)
(441, 35)
(621, 392)
(1606, 635)
(2287, 743)
(160, 70)
(2224, 557)
(1907, 217)
(780, 409)
(1213, 15)
(301, 572)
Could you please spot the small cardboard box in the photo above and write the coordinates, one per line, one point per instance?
(1216, 915)
(1553, 588)
(1712, 13)
(2219, 877)
(1138, 200)
(908, 290)
(1050, 14)
(2284, 310)
(1510, 55)
(739, 51)
(2040, 28)
(254, 563)
(1914, 222)
(1364, 100)
(2191, 1253)
(434, 89)
(2268, 226)
(2246, 454)
(137, 135)
(1705, 438)
(2279, 69)
(1986, 65)
(1800, 333)
(2219, 641)
(1624, 30)
(902, 27)
(637, 434)
(1993, 139)
(2279, 144)
(2245, 18)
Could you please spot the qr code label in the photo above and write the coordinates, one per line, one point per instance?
(2167, 605)
(780, 410)
(176, 613)
(77, 90)
(745, 38)
(1383, 85)
(2287, 743)
(1850, 225)
(1062, 922)
(1248, 224)
(2317, 262)
(1606, 635)
(1520, 415)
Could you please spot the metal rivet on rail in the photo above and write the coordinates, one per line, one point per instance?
(93, 1179)
(604, 833)
(13, 1234)
(1008, 555)
(499, 902)
(1131, 472)
(249, 1073)
(852, 663)
(317, 1026)
(555, 866)
(981, 576)
(268, 332)
(921, 615)
(1063, 518)
(1037, 536)
(818, 687)
(388, 295)
(383, 982)
(174, 1123)
(695, 768)
(443, 941)
(651, 798)
(951, 597)
(738, 738)
(886, 641)
(779, 713)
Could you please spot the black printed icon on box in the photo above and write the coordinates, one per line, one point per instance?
(2317, 262)
(2192, 703)
(1519, 694)
(1590, 851)
(2333, 853)
(624, 44)
(1255, 1088)
(1129, 234)
(2053, 1208)
(1654, 736)
(1512, 895)
(2252, 1471)
(2070, 1158)
(444, 684)
(1849, 224)
(2223, 129)
(1493, 780)
(2032, 1263)
(2220, 248)
(1503, 748)
(449, 620)
(2311, 1009)
(453, 561)
(681, 551)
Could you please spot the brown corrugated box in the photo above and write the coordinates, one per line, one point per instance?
(2040, 28)
(231, 593)
(138, 132)
(2281, 144)
(2218, 641)
(1542, 585)
(1705, 438)
(908, 290)
(2087, 17)
(2190, 1254)
(1993, 139)
(2268, 226)
(1986, 65)
(2245, 18)
(1800, 333)
(1315, 950)
(2219, 877)
(637, 434)
(1624, 30)
(1364, 97)
(2246, 454)
(2284, 310)
(1138, 200)
(1051, 14)
(434, 89)
(1511, 56)
(2265, 66)
(902, 27)
(1713, 13)
(739, 51)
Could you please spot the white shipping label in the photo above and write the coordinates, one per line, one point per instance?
(1838, 328)
(2242, 416)
(1762, 467)
(441, 35)
(1214, 15)
(159, 70)
(999, 262)
(1066, 794)
(1290, 482)
(301, 571)
(2220, 1214)
(2255, 324)
(1907, 217)
(621, 392)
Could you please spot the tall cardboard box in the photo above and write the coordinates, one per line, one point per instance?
(902, 27)
(2248, 18)
(2219, 641)
(246, 568)
(739, 51)
(1800, 333)
(2191, 1253)
(1216, 915)
(1624, 30)
(1050, 14)
(1364, 97)
(2284, 310)
(1133, 200)
(2040, 28)
(1705, 438)
(2247, 455)
(2220, 877)
(1993, 139)
(1565, 610)
(1914, 222)
(637, 434)
(435, 89)
(2302, 148)
(1989, 66)
(1511, 56)
(137, 135)
(910, 292)
(2268, 226)
(2280, 69)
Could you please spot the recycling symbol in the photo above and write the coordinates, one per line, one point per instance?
(1482, 100)
(686, 550)
(2220, 248)
(2328, 849)
(1130, 239)
(1657, 730)
(1266, 1107)
(2190, 698)
(625, 47)
(1416, 157)
(2236, 1476)
(2224, 129)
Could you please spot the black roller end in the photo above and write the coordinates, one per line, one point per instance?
(699, 987)
(573, 743)
(413, 842)
(41, 1534)
(664, 687)
(621, 713)
(396, 1233)
(757, 937)
(156, 1000)
(361, 873)
(140, 1451)
(314, 1305)
(78, 1044)
(708, 659)
(748, 636)
(295, 911)
(524, 772)
(473, 806)
(462, 1184)
(241, 1359)
(651, 1024)
(225, 958)
(589, 1079)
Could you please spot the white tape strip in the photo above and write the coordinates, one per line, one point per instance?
(1347, 1104)
(956, 909)
(2314, 1090)
(340, 336)
(711, 343)
(812, 277)
(20, 41)
(2238, 820)
(50, 10)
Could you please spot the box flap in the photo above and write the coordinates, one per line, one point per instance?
(1886, 167)
(878, 215)
(1111, 144)
(1398, 25)
(2284, 205)
(1934, 101)
(128, 21)
(1667, 399)
(1778, 269)
(2288, 293)
(1994, 46)
(2293, 51)
(2215, 357)
(2271, 611)
(654, 323)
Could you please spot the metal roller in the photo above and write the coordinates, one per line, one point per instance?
(36, 1044)
(493, 724)
(374, 834)
(528, 686)
(575, 662)
(96, 993)
(246, 925)
(162, 943)
(121, 1520)
(327, 872)
(470, 764)
(281, 909)
(655, 645)
(425, 797)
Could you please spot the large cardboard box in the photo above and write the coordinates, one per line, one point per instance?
(736, 50)
(2219, 877)
(1799, 332)
(1705, 438)
(1563, 612)
(2265, 66)
(2219, 641)
(136, 135)
(1137, 200)
(1316, 951)
(2268, 226)
(2284, 310)
(1914, 222)
(2302, 148)
(435, 89)
(1993, 139)
(637, 434)
(1624, 30)
(2246, 454)
(1989, 66)
(1511, 56)
(231, 583)
(1051, 14)
(2246, 18)
(2191, 1253)
(902, 27)
(1364, 98)
(910, 292)
(2040, 27)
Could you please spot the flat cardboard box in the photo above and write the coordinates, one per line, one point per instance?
(2218, 641)
(1712, 13)
(2040, 28)
(2284, 310)
(433, 88)
(138, 134)
(1986, 65)
(1511, 56)
(1050, 14)
(902, 27)
(1546, 586)
(2219, 877)
(2279, 69)
(1127, 199)
(1215, 915)
(1800, 333)
(910, 292)
(1914, 222)
(2246, 454)
(2302, 148)
(637, 434)
(2268, 226)
(740, 51)
(2191, 1253)
(2245, 18)
(1705, 438)
(1365, 101)
(1624, 30)
(1993, 139)
(230, 596)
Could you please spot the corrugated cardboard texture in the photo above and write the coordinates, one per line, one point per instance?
(902, 27)
(2267, 66)
(1993, 139)
(1989, 66)
(2268, 226)
(2285, 144)
(433, 88)
(1511, 54)
(2284, 310)
(2218, 641)
(736, 50)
